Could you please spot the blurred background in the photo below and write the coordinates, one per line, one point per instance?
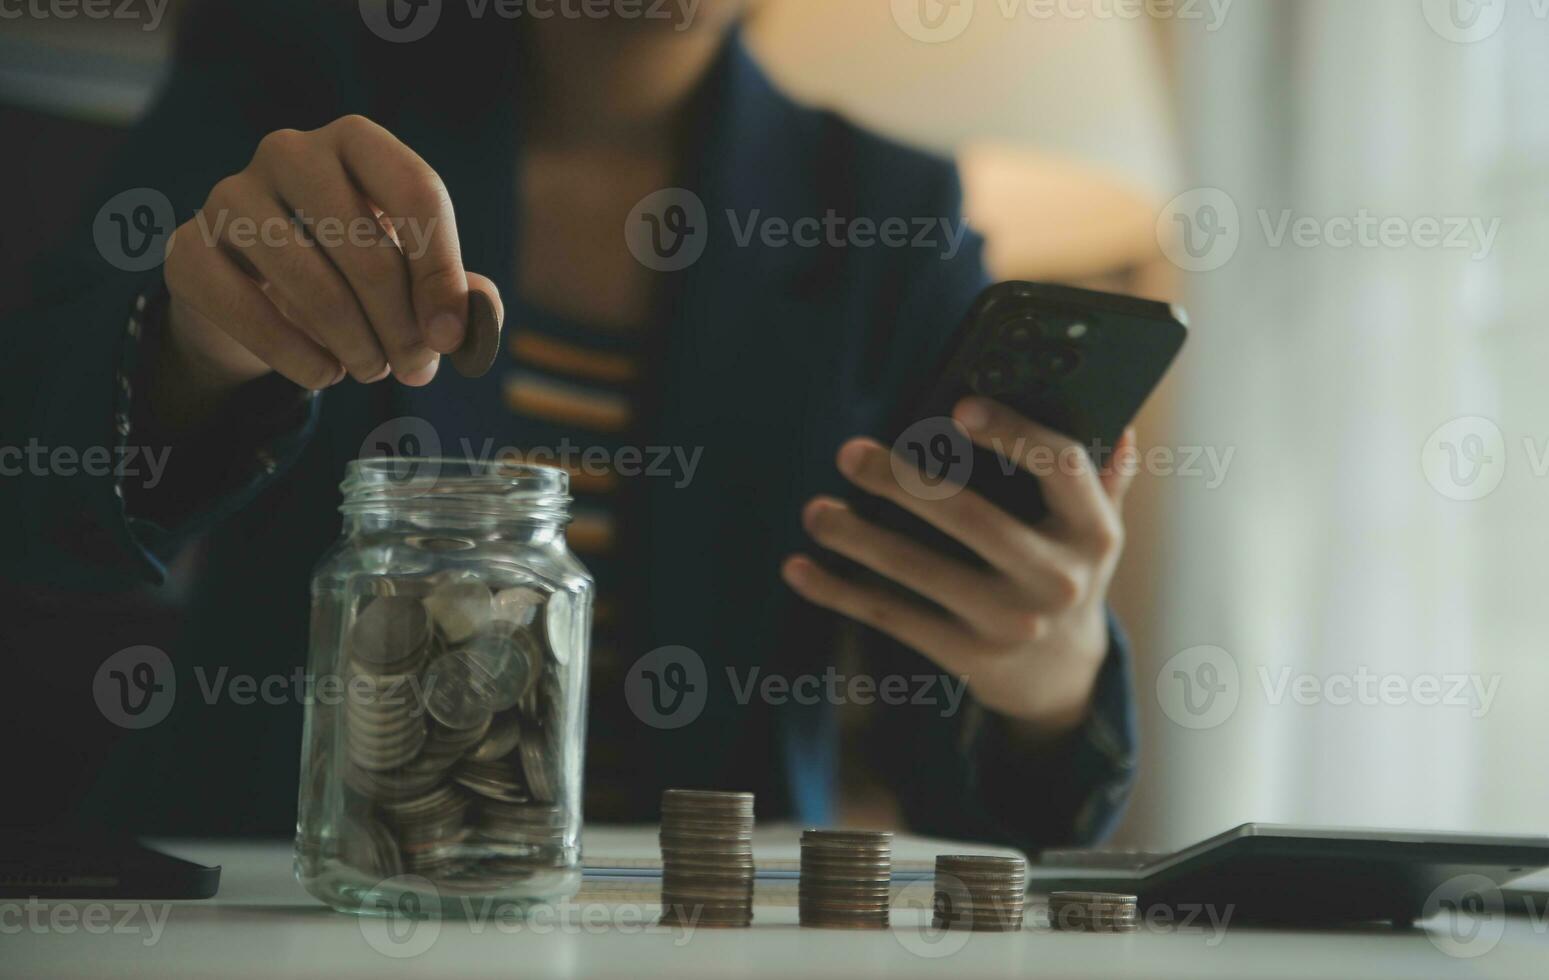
(1336, 573)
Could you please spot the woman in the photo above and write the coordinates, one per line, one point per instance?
(264, 361)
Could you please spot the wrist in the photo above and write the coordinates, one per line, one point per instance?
(189, 380)
(1063, 691)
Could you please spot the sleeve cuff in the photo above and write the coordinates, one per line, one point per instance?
(206, 477)
(1073, 791)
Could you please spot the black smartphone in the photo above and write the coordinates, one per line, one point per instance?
(1078, 361)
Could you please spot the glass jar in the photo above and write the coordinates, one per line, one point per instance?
(442, 748)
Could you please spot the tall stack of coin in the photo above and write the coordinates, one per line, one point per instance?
(384, 719)
(846, 878)
(1093, 912)
(707, 857)
(984, 893)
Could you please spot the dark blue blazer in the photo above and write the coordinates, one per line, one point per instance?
(768, 358)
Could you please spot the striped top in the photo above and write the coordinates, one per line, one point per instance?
(572, 386)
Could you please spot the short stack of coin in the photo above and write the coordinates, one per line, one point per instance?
(1093, 912)
(984, 893)
(707, 857)
(846, 878)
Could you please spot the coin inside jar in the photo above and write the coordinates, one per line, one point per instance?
(503, 735)
(459, 690)
(518, 605)
(390, 631)
(558, 626)
(460, 609)
(512, 661)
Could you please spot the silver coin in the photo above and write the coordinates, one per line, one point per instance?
(460, 609)
(518, 605)
(538, 767)
(459, 690)
(511, 659)
(390, 630)
(503, 735)
(492, 780)
(560, 627)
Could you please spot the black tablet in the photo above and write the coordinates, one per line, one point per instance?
(61, 866)
(1298, 875)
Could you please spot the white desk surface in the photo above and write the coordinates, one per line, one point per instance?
(263, 924)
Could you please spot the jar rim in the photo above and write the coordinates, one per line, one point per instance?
(499, 484)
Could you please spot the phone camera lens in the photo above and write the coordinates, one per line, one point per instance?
(1021, 333)
(1056, 361)
(991, 377)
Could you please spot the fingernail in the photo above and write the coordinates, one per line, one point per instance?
(421, 376)
(851, 456)
(445, 332)
(815, 507)
(797, 571)
(343, 373)
(973, 413)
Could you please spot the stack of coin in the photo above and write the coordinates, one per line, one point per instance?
(384, 719)
(494, 780)
(1093, 912)
(846, 878)
(707, 857)
(980, 892)
(521, 827)
(429, 827)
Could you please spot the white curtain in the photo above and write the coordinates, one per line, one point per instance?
(1367, 390)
